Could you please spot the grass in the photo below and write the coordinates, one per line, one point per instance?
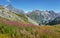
(23, 17)
(11, 31)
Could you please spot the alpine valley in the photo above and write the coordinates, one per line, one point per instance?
(15, 23)
(35, 17)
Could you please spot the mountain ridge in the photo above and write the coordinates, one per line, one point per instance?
(36, 17)
(42, 17)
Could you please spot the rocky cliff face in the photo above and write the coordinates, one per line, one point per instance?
(42, 17)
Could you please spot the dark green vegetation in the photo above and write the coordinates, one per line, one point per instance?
(55, 21)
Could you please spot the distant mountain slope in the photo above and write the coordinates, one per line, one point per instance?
(32, 21)
(42, 17)
(11, 8)
(55, 21)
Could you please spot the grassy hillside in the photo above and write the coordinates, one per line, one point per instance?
(9, 30)
(22, 16)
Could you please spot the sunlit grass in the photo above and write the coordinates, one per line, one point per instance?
(15, 31)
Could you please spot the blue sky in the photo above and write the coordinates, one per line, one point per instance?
(28, 5)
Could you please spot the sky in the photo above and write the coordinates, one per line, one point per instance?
(29, 5)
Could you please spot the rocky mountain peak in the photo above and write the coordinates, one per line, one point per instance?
(9, 6)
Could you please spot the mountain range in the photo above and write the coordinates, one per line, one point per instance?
(43, 17)
(35, 17)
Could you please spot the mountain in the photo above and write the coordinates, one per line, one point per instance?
(18, 11)
(35, 17)
(55, 21)
(6, 13)
(13, 14)
(42, 17)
